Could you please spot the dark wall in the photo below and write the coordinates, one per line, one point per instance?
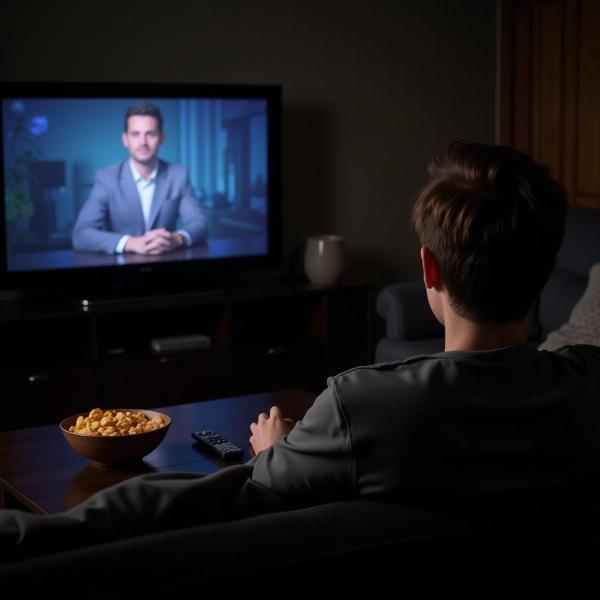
(371, 90)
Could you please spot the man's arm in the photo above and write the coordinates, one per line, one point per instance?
(89, 232)
(192, 218)
(314, 462)
(268, 428)
(154, 242)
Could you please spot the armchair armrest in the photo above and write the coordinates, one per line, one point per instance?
(405, 310)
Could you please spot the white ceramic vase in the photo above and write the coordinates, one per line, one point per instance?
(324, 259)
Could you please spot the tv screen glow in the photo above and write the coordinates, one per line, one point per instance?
(63, 151)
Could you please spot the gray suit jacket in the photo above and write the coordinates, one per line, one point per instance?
(114, 210)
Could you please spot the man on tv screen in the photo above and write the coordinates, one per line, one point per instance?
(135, 205)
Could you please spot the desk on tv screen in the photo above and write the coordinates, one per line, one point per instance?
(65, 259)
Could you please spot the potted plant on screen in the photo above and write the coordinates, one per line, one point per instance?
(24, 149)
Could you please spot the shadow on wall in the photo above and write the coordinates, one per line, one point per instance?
(376, 269)
(311, 190)
(308, 177)
(310, 143)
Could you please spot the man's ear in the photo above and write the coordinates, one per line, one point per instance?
(431, 273)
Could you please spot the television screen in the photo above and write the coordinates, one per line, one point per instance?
(121, 180)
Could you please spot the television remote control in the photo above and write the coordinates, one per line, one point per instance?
(217, 444)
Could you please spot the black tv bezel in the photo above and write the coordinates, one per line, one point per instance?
(148, 277)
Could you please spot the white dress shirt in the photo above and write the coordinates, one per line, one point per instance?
(146, 188)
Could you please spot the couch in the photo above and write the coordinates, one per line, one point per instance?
(411, 328)
(525, 547)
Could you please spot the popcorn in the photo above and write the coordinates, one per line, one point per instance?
(111, 423)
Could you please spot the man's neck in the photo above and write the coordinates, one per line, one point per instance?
(468, 336)
(145, 170)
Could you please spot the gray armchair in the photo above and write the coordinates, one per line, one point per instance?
(411, 328)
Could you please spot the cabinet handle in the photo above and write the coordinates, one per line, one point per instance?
(169, 360)
(278, 350)
(40, 378)
(115, 351)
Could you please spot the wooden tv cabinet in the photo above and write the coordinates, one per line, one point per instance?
(58, 358)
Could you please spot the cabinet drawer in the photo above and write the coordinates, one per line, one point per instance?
(264, 367)
(48, 342)
(134, 333)
(149, 381)
(44, 395)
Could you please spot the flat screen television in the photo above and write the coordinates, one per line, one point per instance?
(93, 201)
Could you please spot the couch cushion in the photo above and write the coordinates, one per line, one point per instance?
(581, 246)
(579, 251)
(558, 299)
(406, 311)
(583, 326)
(326, 551)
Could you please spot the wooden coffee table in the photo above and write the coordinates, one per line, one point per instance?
(40, 470)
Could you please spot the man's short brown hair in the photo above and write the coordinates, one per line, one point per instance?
(494, 220)
(144, 109)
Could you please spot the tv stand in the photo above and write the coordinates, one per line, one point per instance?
(61, 358)
(121, 298)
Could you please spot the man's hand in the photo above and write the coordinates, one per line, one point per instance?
(268, 429)
(155, 241)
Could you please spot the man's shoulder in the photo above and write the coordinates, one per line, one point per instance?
(376, 369)
(585, 355)
(380, 376)
(122, 168)
(172, 170)
(111, 172)
(587, 350)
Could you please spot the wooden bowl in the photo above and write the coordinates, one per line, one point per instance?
(111, 451)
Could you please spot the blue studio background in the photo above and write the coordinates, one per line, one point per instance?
(223, 144)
